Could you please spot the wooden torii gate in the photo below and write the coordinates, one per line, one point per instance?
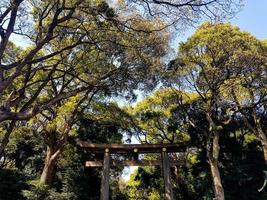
(136, 149)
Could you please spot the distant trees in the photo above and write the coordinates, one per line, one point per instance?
(181, 115)
(153, 114)
(145, 183)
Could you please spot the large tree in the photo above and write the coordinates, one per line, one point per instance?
(213, 57)
(74, 47)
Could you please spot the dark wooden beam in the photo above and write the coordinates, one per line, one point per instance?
(140, 148)
(99, 163)
(105, 177)
(166, 176)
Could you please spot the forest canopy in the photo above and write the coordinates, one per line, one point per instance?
(72, 71)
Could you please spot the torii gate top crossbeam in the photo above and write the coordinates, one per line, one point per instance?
(128, 148)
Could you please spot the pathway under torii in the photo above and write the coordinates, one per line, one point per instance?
(136, 149)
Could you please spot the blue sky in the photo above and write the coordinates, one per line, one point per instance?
(253, 18)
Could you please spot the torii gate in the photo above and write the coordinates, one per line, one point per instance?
(108, 149)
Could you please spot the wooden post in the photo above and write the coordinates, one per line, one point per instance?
(105, 176)
(166, 175)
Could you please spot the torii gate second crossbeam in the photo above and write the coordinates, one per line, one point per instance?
(108, 149)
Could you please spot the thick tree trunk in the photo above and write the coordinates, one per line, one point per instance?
(213, 160)
(49, 167)
(54, 149)
(263, 140)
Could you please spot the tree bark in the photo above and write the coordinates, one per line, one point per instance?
(216, 177)
(213, 156)
(4, 143)
(49, 167)
(263, 140)
(5, 139)
(32, 111)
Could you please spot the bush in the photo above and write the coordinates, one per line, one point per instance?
(39, 191)
(11, 184)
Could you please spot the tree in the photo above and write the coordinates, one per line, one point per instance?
(153, 116)
(27, 150)
(145, 184)
(55, 133)
(207, 62)
(57, 30)
(60, 62)
(171, 115)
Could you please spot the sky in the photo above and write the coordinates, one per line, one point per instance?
(252, 18)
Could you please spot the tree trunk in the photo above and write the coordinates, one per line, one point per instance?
(5, 139)
(213, 160)
(263, 140)
(54, 149)
(49, 167)
(213, 155)
(4, 143)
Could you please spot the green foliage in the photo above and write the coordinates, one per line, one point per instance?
(39, 191)
(153, 116)
(26, 151)
(145, 184)
(221, 59)
(241, 163)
